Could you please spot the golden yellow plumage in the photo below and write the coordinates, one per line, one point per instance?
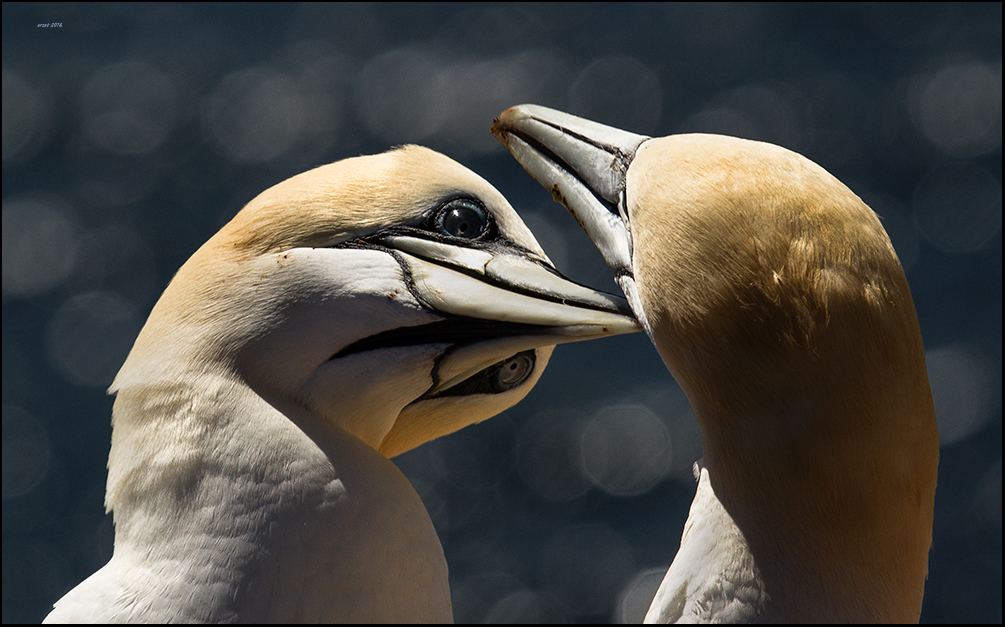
(776, 300)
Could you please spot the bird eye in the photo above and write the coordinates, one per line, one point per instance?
(462, 218)
(514, 371)
(501, 377)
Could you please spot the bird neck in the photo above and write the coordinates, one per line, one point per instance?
(217, 493)
(827, 469)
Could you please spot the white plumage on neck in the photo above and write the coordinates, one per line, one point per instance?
(263, 519)
(714, 576)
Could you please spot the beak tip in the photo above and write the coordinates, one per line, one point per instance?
(504, 124)
(500, 133)
(509, 120)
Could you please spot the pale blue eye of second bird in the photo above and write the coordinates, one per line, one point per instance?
(515, 370)
(462, 218)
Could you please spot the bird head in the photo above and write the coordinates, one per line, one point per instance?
(754, 257)
(398, 297)
(771, 291)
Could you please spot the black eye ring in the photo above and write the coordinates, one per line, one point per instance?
(462, 218)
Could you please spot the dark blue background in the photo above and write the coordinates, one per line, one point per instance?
(131, 133)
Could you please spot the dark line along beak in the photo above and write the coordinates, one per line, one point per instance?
(583, 164)
(524, 304)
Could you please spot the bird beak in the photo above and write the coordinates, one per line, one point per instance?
(525, 302)
(583, 164)
(507, 286)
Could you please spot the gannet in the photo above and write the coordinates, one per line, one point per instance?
(345, 315)
(776, 300)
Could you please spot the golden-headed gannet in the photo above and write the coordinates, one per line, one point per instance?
(345, 315)
(776, 300)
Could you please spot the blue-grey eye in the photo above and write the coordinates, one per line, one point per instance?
(514, 371)
(462, 218)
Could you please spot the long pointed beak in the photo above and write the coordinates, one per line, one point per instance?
(508, 286)
(583, 164)
(525, 302)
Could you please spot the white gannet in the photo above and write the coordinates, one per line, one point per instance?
(345, 315)
(776, 300)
